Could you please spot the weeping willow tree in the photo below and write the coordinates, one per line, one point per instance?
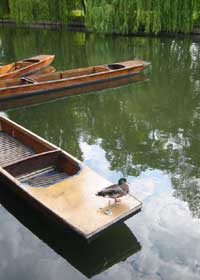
(112, 16)
(119, 16)
(27, 11)
(4, 8)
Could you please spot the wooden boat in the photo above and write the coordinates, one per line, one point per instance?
(56, 183)
(25, 67)
(70, 82)
(38, 99)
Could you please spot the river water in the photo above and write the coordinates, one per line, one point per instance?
(147, 131)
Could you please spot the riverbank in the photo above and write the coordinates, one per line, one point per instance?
(77, 25)
(74, 25)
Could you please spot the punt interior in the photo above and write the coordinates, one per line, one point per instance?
(60, 75)
(17, 65)
(31, 161)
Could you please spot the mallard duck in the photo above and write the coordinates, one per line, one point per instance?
(115, 191)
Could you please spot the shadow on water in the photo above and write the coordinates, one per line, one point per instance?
(114, 245)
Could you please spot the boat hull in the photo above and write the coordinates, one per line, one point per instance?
(41, 97)
(72, 199)
(48, 90)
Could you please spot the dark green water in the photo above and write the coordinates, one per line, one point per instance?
(147, 131)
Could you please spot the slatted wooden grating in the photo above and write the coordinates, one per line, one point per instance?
(11, 150)
(43, 177)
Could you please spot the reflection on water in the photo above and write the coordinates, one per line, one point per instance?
(146, 131)
(168, 233)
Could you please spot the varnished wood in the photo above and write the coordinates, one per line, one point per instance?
(71, 82)
(25, 67)
(36, 99)
(61, 186)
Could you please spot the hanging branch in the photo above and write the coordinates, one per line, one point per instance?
(129, 16)
(113, 16)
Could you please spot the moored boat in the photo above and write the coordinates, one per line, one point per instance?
(70, 82)
(25, 67)
(56, 183)
(39, 99)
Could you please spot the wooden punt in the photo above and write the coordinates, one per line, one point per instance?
(33, 100)
(56, 183)
(25, 66)
(70, 82)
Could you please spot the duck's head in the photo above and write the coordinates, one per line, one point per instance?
(122, 181)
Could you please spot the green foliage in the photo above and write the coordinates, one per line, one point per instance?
(21, 10)
(196, 15)
(110, 16)
(141, 15)
(27, 11)
(40, 10)
(4, 8)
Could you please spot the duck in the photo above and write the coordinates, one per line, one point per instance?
(115, 191)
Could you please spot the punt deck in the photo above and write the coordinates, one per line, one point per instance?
(56, 183)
